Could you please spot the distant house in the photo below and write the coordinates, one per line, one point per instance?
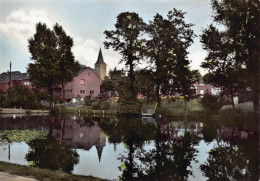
(202, 89)
(86, 82)
(17, 78)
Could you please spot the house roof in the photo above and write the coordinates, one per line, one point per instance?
(100, 57)
(15, 75)
(83, 67)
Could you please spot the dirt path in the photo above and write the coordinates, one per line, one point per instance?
(9, 177)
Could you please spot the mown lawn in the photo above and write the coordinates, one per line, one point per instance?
(43, 174)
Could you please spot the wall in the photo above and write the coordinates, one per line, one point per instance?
(75, 88)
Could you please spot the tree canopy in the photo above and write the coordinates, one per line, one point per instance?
(126, 39)
(233, 53)
(54, 62)
(166, 50)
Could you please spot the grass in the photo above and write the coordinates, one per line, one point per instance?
(43, 174)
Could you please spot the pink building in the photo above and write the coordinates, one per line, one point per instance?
(85, 83)
(17, 78)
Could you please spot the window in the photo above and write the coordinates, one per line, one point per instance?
(70, 90)
(26, 83)
(82, 91)
(91, 92)
(82, 81)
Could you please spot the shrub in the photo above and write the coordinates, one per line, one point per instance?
(88, 101)
(96, 105)
(20, 96)
(104, 105)
(129, 105)
(211, 103)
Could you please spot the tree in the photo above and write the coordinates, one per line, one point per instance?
(113, 82)
(239, 41)
(166, 49)
(54, 61)
(145, 83)
(68, 67)
(224, 72)
(126, 39)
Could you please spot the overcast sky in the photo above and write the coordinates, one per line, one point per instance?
(85, 21)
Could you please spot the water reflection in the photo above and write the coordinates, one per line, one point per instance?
(147, 149)
(170, 157)
(80, 133)
(51, 154)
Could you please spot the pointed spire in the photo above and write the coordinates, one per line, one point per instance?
(100, 57)
(99, 151)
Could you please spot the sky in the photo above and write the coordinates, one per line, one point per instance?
(85, 21)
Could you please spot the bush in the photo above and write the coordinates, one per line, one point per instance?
(20, 96)
(88, 101)
(129, 105)
(96, 105)
(104, 105)
(211, 103)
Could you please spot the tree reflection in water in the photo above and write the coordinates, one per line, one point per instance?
(170, 159)
(52, 154)
(227, 162)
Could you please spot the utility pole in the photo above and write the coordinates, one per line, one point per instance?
(10, 71)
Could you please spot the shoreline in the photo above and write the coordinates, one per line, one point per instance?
(24, 111)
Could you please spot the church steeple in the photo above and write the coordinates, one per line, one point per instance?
(101, 66)
(100, 57)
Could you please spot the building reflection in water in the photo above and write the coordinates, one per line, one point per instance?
(78, 134)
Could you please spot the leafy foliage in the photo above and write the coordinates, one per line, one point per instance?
(127, 41)
(54, 61)
(233, 53)
(166, 50)
(211, 103)
(21, 96)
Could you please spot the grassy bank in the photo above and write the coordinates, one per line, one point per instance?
(42, 174)
(167, 108)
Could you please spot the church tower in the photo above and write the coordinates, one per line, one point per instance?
(101, 66)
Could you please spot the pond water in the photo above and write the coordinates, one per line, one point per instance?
(162, 148)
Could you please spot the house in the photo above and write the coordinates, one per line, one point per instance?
(86, 82)
(17, 78)
(202, 89)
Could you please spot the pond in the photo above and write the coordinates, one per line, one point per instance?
(161, 148)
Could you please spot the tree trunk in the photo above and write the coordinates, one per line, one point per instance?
(256, 100)
(157, 93)
(51, 96)
(232, 101)
(131, 76)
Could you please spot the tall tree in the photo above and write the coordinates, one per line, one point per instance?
(126, 39)
(223, 71)
(68, 67)
(240, 20)
(166, 50)
(54, 61)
